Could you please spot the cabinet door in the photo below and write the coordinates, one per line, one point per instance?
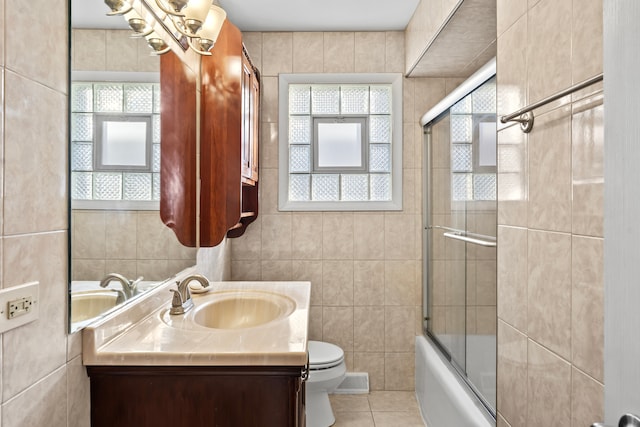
(250, 122)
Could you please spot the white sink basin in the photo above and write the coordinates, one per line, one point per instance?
(89, 304)
(233, 309)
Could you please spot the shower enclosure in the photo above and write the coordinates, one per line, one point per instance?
(460, 234)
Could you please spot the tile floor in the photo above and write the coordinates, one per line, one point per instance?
(376, 409)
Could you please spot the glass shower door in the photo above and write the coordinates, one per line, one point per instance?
(460, 230)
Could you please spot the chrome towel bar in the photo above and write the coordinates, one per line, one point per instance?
(474, 240)
(524, 116)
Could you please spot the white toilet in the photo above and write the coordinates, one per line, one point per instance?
(326, 371)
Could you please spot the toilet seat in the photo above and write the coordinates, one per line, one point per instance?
(324, 355)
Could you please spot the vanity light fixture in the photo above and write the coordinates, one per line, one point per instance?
(199, 21)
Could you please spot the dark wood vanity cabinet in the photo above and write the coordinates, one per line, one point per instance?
(196, 396)
(214, 189)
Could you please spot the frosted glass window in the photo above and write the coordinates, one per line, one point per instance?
(484, 186)
(354, 99)
(123, 143)
(106, 139)
(487, 144)
(339, 144)
(461, 128)
(325, 100)
(108, 98)
(461, 158)
(138, 98)
(354, 187)
(325, 187)
(299, 99)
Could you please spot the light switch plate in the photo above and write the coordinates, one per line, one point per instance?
(19, 305)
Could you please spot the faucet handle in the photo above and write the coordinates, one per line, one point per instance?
(177, 298)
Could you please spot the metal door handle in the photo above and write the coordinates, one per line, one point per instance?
(627, 420)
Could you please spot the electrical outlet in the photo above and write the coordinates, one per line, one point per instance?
(19, 305)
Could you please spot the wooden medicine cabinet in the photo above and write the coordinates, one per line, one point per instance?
(209, 173)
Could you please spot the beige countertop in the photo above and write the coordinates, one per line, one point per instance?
(143, 333)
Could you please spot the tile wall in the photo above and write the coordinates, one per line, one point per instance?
(550, 216)
(132, 243)
(364, 266)
(42, 379)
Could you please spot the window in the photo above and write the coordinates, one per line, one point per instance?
(340, 142)
(473, 139)
(115, 143)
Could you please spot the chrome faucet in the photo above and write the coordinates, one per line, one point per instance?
(182, 302)
(129, 287)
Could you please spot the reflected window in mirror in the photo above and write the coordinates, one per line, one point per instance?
(99, 170)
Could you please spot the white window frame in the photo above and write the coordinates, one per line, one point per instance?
(393, 79)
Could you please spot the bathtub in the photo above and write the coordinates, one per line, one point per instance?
(444, 399)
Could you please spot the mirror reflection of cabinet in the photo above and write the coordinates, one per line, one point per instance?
(204, 194)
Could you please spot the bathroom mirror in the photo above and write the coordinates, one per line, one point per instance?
(115, 224)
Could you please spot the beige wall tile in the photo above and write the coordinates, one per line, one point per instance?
(587, 400)
(337, 283)
(2, 35)
(306, 239)
(428, 92)
(307, 48)
(249, 247)
(277, 51)
(91, 269)
(394, 48)
(315, 323)
(586, 40)
(370, 52)
(89, 234)
(127, 267)
(509, 11)
(373, 364)
(408, 100)
(399, 329)
(399, 282)
(78, 394)
(513, 276)
(368, 238)
(89, 50)
(368, 278)
(339, 52)
(40, 257)
(512, 63)
(147, 62)
(121, 240)
(337, 326)
(512, 374)
(268, 198)
(160, 269)
(276, 270)
(486, 320)
(269, 145)
(369, 329)
(549, 290)
(39, 55)
(120, 52)
(399, 371)
(253, 43)
(310, 271)
(587, 302)
(34, 156)
(550, 172)
(588, 167)
(276, 236)
(43, 404)
(513, 177)
(399, 237)
(246, 270)
(337, 235)
(548, 388)
(548, 48)
(269, 98)
(156, 241)
(500, 422)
